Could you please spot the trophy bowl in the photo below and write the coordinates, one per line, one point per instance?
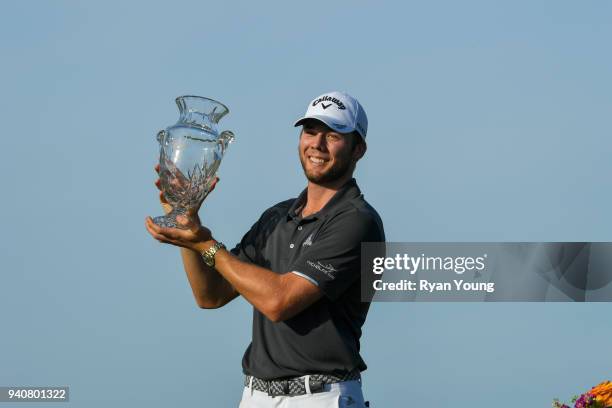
(190, 154)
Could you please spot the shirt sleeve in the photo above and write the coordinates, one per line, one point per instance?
(250, 247)
(246, 250)
(333, 260)
(241, 249)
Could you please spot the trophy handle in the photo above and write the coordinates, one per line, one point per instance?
(161, 135)
(226, 137)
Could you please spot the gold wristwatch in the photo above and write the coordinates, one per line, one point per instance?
(209, 255)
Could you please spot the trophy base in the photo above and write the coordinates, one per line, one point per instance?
(169, 220)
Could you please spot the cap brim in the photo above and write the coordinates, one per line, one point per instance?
(325, 120)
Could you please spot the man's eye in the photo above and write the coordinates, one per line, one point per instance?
(333, 136)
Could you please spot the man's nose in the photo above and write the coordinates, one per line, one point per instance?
(318, 141)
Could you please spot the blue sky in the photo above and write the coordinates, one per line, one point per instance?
(489, 121)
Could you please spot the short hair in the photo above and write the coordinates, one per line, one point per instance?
(356, 139)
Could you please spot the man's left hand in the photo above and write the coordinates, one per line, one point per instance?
(192, 237)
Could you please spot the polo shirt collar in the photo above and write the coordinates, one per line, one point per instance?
(348, 191)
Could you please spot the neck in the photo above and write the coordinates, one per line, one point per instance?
(319, 194)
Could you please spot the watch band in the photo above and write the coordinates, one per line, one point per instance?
(209, 255)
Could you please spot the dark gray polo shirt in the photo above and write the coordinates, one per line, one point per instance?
(325, 249)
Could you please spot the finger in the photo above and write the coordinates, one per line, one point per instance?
(189, 224)
(153, 228)
(178, 182)
(172, 234)
(161, 239)
(149, 225)
(177, 175)
(162, 198)
(195, 226)
(158, 230)
(213, 184)
(190, 221)
(192, 213)
(183, 220)
(211, 187)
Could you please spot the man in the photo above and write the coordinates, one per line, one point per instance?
(299, 266)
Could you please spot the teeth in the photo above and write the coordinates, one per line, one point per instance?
(316, 160)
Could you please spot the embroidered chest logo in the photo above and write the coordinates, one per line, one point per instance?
(327, 269)
(307, 241)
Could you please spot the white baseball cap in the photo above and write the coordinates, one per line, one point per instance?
(338, 110)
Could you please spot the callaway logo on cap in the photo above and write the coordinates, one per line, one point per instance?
(338, 110)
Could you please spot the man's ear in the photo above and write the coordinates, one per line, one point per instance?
(359, 151)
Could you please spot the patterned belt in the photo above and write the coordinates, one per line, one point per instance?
(297, 386)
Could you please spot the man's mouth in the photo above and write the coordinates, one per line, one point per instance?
(317, 160)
